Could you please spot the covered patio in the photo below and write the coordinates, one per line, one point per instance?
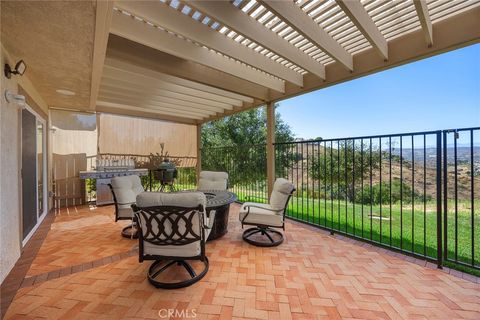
(172, 66)
(80, 273)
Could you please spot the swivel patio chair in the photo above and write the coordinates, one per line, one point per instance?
(211, 180)
(124, 191)
(267, 216)
(173, 228)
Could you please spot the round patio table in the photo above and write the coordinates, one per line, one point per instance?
(220, 202)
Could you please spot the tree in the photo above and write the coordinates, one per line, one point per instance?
(236, 144)
(382, 193)
(338, 164)
(244, 128)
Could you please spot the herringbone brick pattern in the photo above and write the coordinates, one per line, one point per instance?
(79, 237)
(312, 275)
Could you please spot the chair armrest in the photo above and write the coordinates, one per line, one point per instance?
(208, 221)
(259, 207)
(124, 204)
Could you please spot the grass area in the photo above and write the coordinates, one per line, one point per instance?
(410, 229)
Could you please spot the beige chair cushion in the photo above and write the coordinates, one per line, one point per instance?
(210, 180)
(190, 250)
(260, 216)
(180, 199)
(126, 189)
(281, 191)
(174, 199)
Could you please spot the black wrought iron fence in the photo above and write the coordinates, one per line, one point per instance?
(461, 196)
(417, 193)
(246, 167)
(382, 189)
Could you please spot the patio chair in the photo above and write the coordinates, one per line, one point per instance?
(265, 216)
(212, 180)
(124, 191)
(173, 228)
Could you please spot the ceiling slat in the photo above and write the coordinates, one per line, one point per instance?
(225, 13)
(141, 88)
(177, 22)
(115, 103)
(144, 113)
(153, 104)
(304, 25)
(359, 16)
(187, 105)
(118, 108)
(111, 63)
(140, 32)
(147, 83)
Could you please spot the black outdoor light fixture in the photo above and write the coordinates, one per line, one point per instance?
(20, 68)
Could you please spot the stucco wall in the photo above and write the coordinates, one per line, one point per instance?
(9, 181)
(10, 163)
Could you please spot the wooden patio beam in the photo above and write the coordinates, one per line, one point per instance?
(148, 35)
(304, 25)
(104, 12)
(225, 12)
(424, 17)
(199, 151)
(270, 146)
(155, 60)
(179, 23)
(456, 32)
(360, 18)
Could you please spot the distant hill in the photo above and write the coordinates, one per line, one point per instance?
(463, 154)
(463, 170)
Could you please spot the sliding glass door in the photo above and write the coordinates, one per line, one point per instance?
(33, 174)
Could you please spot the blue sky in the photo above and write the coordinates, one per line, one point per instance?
(441, 92)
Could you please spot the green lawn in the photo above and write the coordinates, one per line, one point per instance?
(412, 231)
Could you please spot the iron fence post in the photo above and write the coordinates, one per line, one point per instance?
(150, 179)
(439, 200)
(445, 194)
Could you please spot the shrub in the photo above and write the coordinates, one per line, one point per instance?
(380, 193)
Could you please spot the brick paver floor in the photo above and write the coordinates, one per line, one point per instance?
(80, 236)
(86, 270)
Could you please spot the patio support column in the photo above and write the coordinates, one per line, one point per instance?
(199, 150)
(270, 146)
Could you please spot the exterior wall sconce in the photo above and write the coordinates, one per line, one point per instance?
(20, 68)
(17, 99)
